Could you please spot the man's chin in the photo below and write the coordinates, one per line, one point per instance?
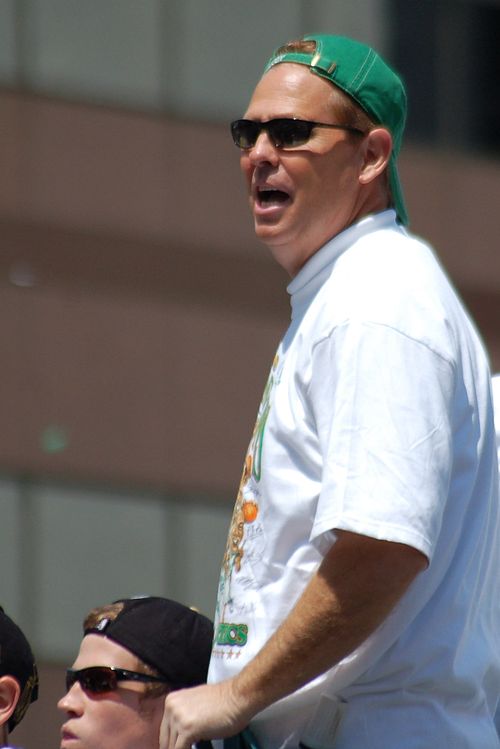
(281, 254)
(269, 232)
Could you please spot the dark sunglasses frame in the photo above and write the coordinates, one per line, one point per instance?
(284, 132)
(101, 679)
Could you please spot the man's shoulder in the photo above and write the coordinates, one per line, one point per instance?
(393, 279)
(383, 276)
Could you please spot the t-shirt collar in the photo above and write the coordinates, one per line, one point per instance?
(317, 268)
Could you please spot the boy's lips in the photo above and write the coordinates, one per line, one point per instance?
(67, 736)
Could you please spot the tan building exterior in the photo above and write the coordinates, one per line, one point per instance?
(138, 313)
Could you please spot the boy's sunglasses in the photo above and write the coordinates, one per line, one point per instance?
(284, 132)
(100, 679)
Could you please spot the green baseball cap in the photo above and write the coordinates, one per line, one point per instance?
(359, 71)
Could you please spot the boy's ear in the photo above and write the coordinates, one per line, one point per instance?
(9, 696)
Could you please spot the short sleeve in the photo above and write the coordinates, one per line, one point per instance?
(382, 403)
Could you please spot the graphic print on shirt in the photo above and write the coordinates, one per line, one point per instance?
(231, 629)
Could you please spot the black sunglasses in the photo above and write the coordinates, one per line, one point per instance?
(285, 132)
(100, 679)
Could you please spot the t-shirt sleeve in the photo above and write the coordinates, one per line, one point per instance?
(382, 405)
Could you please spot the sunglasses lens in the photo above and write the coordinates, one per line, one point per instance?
(99, 680)
(284, 132)
(96, 680)
(288, 133)
(245, 133)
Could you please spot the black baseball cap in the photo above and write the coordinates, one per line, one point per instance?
(17, 660)
(166, 635)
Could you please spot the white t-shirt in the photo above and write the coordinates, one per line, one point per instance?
(495, 382)
(376, 419)
(496, 408)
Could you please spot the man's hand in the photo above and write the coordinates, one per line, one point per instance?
(211, 711)
(357, 585)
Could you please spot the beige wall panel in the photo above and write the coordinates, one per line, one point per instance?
(154, 312)
(149, 391)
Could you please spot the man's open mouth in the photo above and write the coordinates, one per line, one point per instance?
(267, 196)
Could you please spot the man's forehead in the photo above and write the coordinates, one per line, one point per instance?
(97, 650)
(289, 89)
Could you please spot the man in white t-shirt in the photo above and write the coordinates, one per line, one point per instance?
(359, 601)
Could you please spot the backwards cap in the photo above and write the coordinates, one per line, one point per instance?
(17, 660)
(168, 636)
(360, 72)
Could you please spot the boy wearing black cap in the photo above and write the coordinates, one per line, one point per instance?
(18, 676)
(133, 653)
(359, 601)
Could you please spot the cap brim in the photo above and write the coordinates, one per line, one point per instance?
(397, 192)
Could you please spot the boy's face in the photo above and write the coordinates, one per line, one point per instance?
(121, 719)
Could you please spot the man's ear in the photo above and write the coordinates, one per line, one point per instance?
(9, 696)
(377, 152)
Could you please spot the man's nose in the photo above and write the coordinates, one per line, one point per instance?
(263, 150)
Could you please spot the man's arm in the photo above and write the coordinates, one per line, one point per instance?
(356, 586)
